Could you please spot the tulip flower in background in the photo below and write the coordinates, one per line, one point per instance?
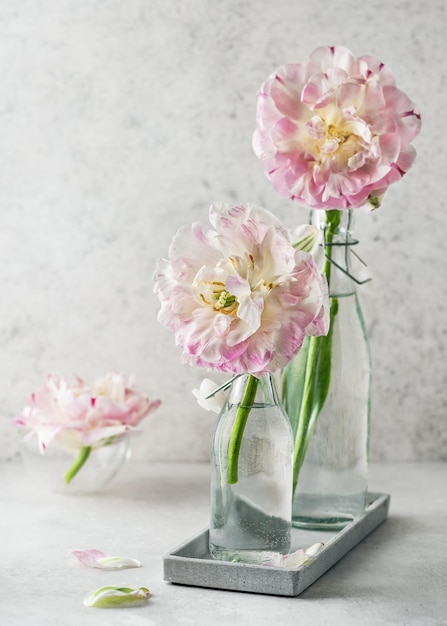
(80, 418)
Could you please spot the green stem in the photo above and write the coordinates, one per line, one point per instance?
(238, 428)
(83, 455)
(315, 390)
(317, 365)
(333, 219)
(305, 414)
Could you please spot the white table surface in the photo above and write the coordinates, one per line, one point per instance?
(397, 575)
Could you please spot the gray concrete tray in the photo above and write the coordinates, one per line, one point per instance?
(192, 564)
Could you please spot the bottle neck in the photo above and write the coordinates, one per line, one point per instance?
(338, 240)
(246, 389)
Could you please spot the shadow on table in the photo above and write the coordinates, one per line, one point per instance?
(159, 483)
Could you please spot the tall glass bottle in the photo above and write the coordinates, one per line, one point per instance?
(326, 392)
(251, 485)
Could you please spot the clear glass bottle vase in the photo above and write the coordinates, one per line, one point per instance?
(326, 393)
(251, 485)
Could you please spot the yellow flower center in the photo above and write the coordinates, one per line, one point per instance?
(220, 299)
(334, 137)
(334, 132)
(224, 299)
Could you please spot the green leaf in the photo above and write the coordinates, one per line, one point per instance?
(306, 385)
(292, 385)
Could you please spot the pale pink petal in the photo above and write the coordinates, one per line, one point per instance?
(296, 559)
(99, 560)
(103, 434)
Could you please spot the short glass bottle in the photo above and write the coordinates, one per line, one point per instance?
(251, 486)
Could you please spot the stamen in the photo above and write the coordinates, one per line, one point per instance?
(224, 300)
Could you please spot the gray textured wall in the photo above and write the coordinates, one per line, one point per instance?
(121, 121)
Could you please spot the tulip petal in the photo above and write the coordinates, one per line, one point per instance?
(117, 597)
(300, 557)
(100, 560)
(209, 397)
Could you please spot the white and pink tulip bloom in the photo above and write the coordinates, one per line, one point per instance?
(75, 416)
(334, 132)
(239, 297)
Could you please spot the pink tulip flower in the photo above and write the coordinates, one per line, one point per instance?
(78, 416)
(334, 132)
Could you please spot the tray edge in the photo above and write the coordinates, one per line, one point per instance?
(209, 573)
